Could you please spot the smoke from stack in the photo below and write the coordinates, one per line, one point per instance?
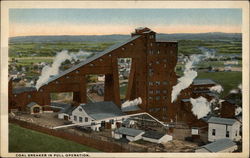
(236, 91)
(53, 70)
(216, 88)
(189, 73)
(200, 107)
(131, 104)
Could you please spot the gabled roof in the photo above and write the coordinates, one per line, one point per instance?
(203, 82)
(102, 110)
(218, 120)
(23, 89)
(153, 134)
(96, 56)
(31, 104)
(128, 131)
(219, 145)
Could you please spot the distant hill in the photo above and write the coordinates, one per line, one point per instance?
(115, 38)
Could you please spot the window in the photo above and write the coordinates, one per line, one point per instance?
(77, 71)
(158, 52)
(111, 121)
(29, 96)
(157, 91)
(150, 98)
(86, 119)
(164, 91)
(164, 82)
(150, 83)
(157, 62)
(75, 118)
(164, 60)
(164, 97)
(80, 119)
(157, 98)
(213, 132)
(164, 109)
(157, 83)
(227, 134)
(151, 92)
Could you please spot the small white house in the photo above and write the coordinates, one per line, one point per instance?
(129, 133)
(99, 114)
(219, 128)
(156, 137)
(219, 146)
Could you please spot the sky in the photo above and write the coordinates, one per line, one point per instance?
(24, 22)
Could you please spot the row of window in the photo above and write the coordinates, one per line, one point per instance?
(157, 91)
(166, 44)
(227, 133)
(81, 119)
(157, 98)
(157, 52)
(157, 83)
(164, 109)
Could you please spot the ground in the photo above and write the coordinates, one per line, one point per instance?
(25, 140)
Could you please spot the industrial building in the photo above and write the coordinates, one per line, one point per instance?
(152, 76)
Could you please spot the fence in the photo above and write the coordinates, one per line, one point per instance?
(94, 143)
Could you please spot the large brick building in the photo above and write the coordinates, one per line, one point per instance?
(152, 75)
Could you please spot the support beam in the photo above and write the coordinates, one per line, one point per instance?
(116, 88)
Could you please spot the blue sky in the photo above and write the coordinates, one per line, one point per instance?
(50, 19)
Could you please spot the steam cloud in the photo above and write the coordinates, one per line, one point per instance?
(52, 70)
(216, 88)
(200, 107)
(189, 73)
(235, 91)
(238, 110)
(131, 105)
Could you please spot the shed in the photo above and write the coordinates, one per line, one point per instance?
(219, 128)
(221, 145)
(34, 108)
(129, 133)
(156, 137)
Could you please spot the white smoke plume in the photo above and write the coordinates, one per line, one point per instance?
(216, 88)
(238, 110)
(189, 73)
(53, 70)
(200, 107)
(131, 105)
(235, 91)
(187, 78)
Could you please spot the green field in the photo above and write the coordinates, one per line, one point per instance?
(228, 80)
(25, 140)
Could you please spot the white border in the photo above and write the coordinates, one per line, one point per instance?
(244, 5)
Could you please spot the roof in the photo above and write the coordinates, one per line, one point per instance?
(96, 56)
(31, 104)
(231, 101)
(102, 110)
(153, 134)
(203, 82)
(219, 120)
(185, 100)
(23, 89)
(128, 131)
(219, 145)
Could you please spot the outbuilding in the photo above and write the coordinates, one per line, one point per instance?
(156, 137)
(129, 133)
(220, 146)
(219, 128)
(34, 108)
